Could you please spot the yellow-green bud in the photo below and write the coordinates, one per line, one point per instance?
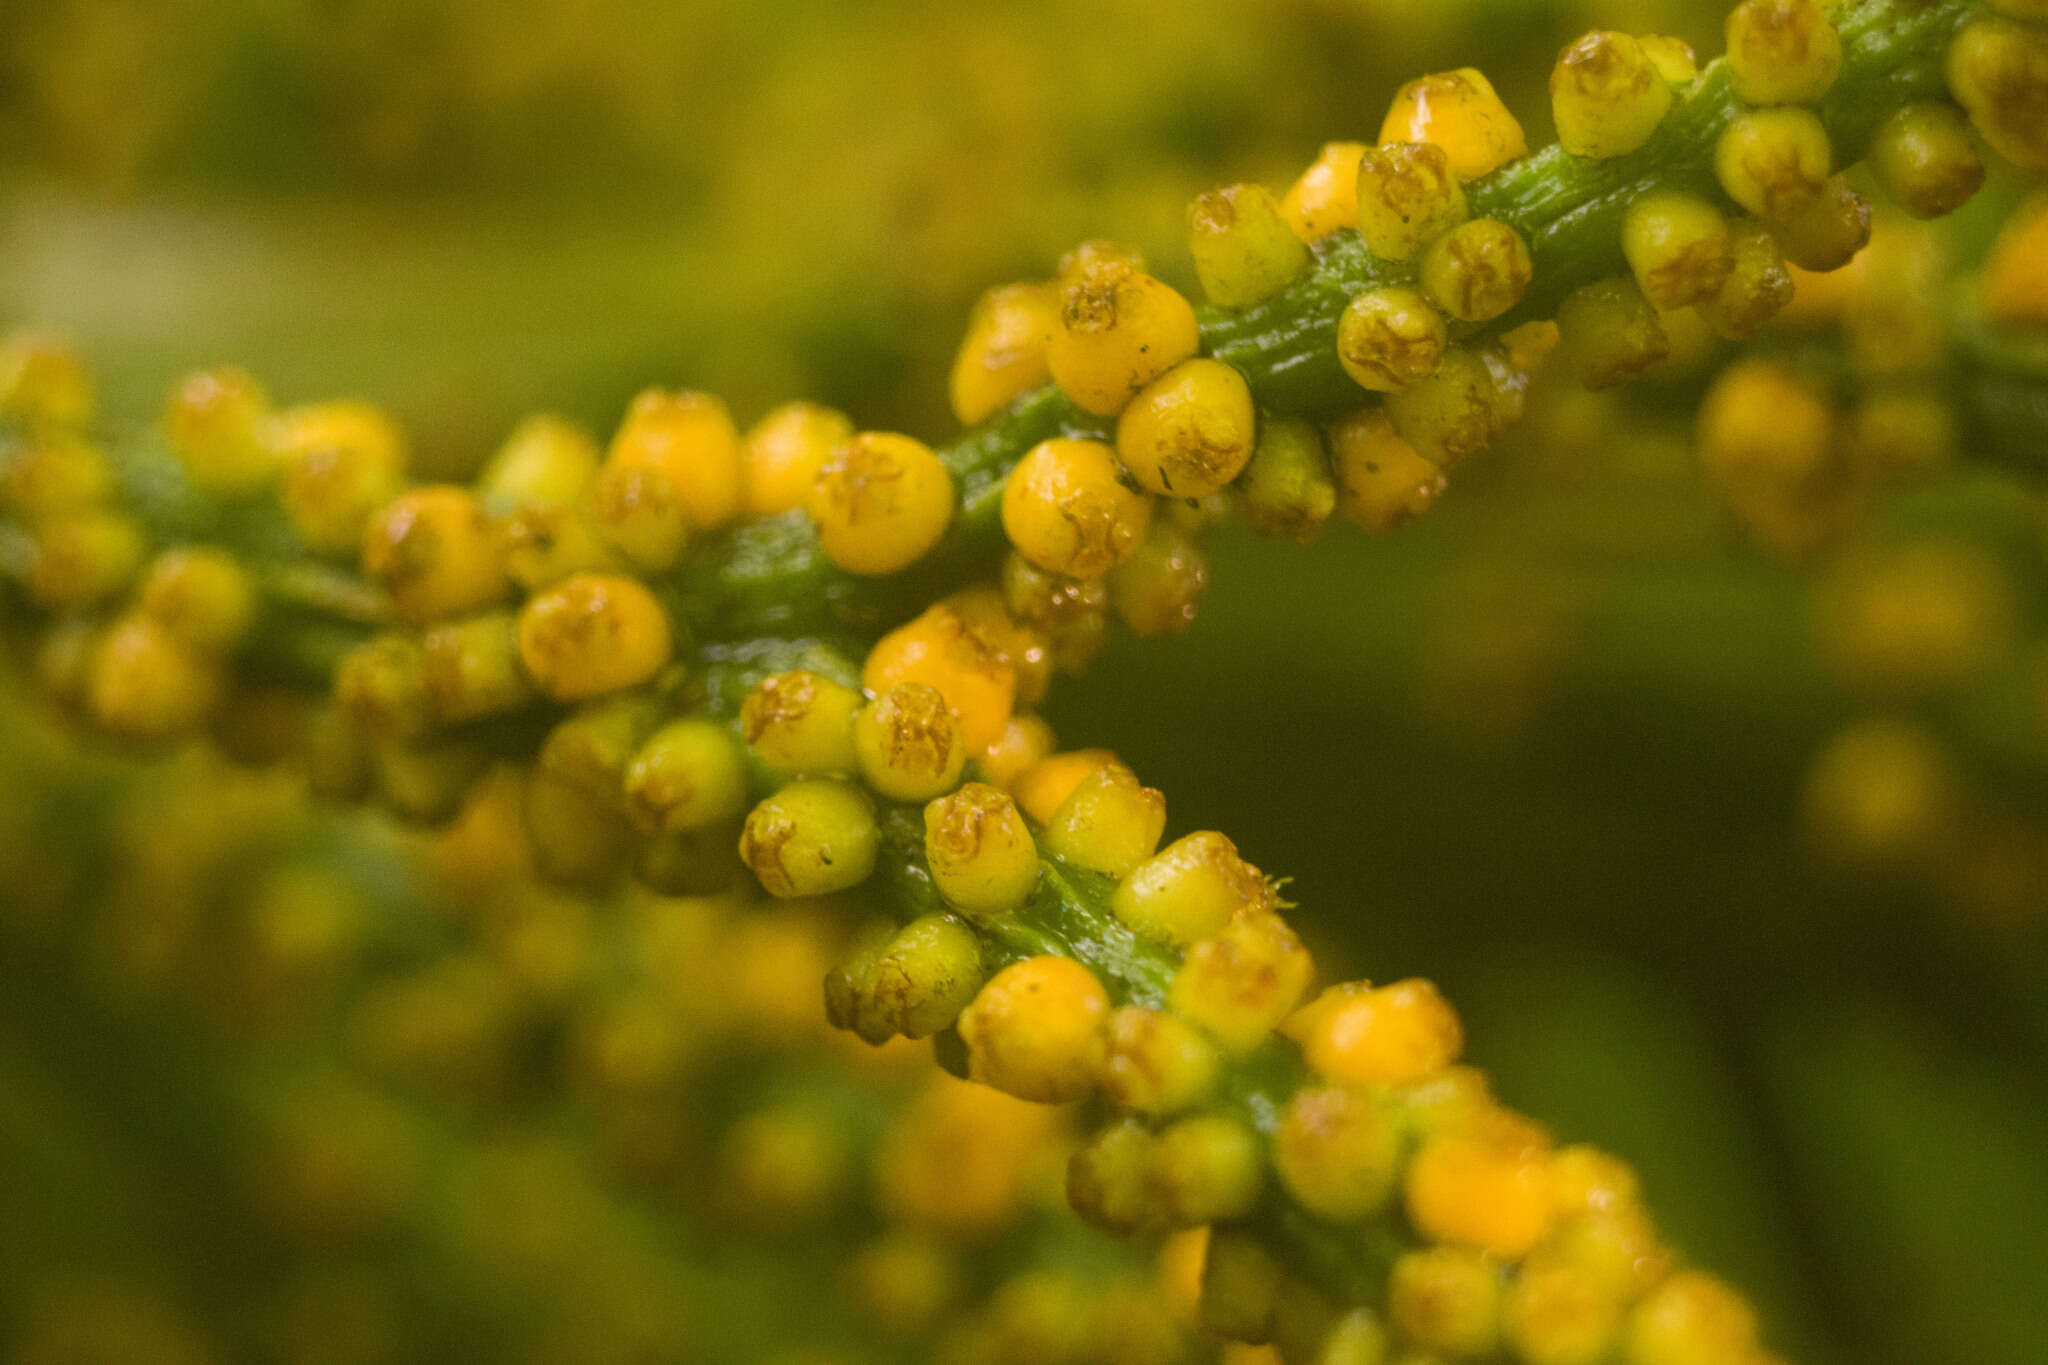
(1446, 1299)
(1757, 287)
(1241, 1281)
(1477, 270)
(1677, 245)
(1336, 1153)
(1241, 982)
(1189, 890)
(1206, 1169)
(579, 836)
(201, 596)
(914, 983)
(1407, 195)
(688, 775)
(1606, 95)
(1782, 51)
(1773, 162)
(1156, 590)
(591, 747)
(981, 854)
(84, 558)
(213, 420)
(471, 667)
(908, 744)
(381, 686)
(1287, 489)
(1827, 231)
(1110, 823)
(812, 838)
(1924, 158)
(1244, 250)
(1389, 338)
(1998, 71)
(1449, 415)
(1109, 1178)
(1158, 1064)
(425, 781)
(546, 462)
(1610, 332)
(802, 722)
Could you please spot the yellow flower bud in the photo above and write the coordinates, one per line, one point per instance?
(802, 722)
(908, 744)
(1607, 95)
(1242, 981)
(1998, 71)
(982, 857)
(1005, 352)
(1119, 329)
(201, 596)
(1925, 159)
(942, 649)
(1156, 590)
(1677, 245)
(1773, 162)
(913, 983)
(1392, 1035)
(1459, 112)
(1382, 482)
(881, 501)
(84, 558)
(1287, 489)
(591, 634)
(1610, 332)
(1336, 1153)
(783, 454)
(1408, 195)
(434, 551)
(145, 684)
(1758, 285)
(1560, 1315)
(1206, 1169)
(1157, 1064)
(1244, 248)
(1108, 824)
(1782, 51)
(546, 462)
(673, 469)
(1325, 196)
(1446, 1299)
(343, 461)
(1477, 270)
(1189, 890)
(1108, 1179)
(214, 422)
(44, 384)
(1691, 1319)
(1486, 1187)
(1036, 1030)
(1451, 414)
(471, 667)
(1389, 338)
(1067, 510)
(1188, 432)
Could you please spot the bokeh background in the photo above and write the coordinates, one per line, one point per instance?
(1548, 745)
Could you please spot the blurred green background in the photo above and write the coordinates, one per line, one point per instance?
(1546, 745)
